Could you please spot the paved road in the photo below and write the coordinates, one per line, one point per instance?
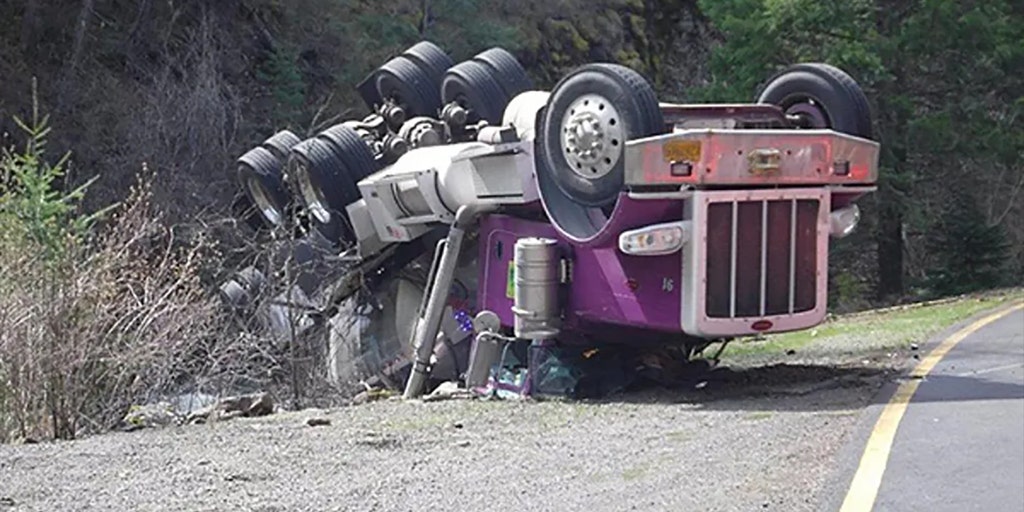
(960, 444)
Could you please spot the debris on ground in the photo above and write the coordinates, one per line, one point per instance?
(448, 390)
(165, 414)
(245, 406)
(318, 422)
(160, 414)
(372, 395)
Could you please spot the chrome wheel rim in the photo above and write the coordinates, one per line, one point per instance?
(592, 136)
(262, 200)
(311, 195)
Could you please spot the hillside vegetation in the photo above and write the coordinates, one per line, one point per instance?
(98, 283)
(185, 86)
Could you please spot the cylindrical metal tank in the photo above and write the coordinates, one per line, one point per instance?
(536, 289)
(521, 112)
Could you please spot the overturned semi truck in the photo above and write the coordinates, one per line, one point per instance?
(591, 212)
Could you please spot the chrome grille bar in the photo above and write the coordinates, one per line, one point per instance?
(764, 252)
(792, 256)
(732, 260)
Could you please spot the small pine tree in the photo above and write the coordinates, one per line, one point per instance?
(32, 203)
(281, 73)
(970, 253)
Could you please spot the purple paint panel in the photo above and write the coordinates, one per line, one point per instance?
(498, 235)
(613, 288)
(608, 287)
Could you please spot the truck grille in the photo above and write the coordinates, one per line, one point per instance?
(761, 257)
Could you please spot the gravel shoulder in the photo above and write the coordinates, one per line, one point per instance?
(717, 450)
(765, 437)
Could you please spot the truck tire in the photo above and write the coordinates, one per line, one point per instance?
(281, 143)
(506, 69)
(471, 84)
(323, 184)
(246, 212)
(351, 148)
(590, 115)
(260, 175)
(408, 85)
(252, 280)
(823, 95)
(431, 59)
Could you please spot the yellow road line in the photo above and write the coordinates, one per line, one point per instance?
(864, 488)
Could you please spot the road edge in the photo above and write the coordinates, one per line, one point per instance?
(849, 456)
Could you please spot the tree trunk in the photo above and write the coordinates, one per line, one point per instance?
(29, 25)
(424, 18)
(77, 45)
(893, 190)
(889, 238)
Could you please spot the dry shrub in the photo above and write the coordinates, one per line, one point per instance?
(103, 323)
(93, 316)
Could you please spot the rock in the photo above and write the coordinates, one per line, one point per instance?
(361, 398)
(377, 440)
(372, 395)
(156, 415)
(318, 422)
(461, 444)
(446, 391)
(261, 405)
(252, 405)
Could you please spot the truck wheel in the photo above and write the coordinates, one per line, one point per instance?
(506, 69)
(352, 149)
(259, 173)
(252, 280)
(281, 143)
(472, 85)
(408, 85)
(591, 114)
(431, 59)
(243, 210)
(324, 186)
(823, 96)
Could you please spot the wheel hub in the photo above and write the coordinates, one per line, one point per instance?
(263, 202)
(592, 136)
(810, 113)
(312, 196)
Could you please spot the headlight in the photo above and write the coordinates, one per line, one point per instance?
(655, 240)
(843, 221)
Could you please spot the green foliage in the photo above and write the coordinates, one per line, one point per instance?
(281, 74)
(943, 82)
(971, 253)
(31, 202)
(462, 39)
(847, 292)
